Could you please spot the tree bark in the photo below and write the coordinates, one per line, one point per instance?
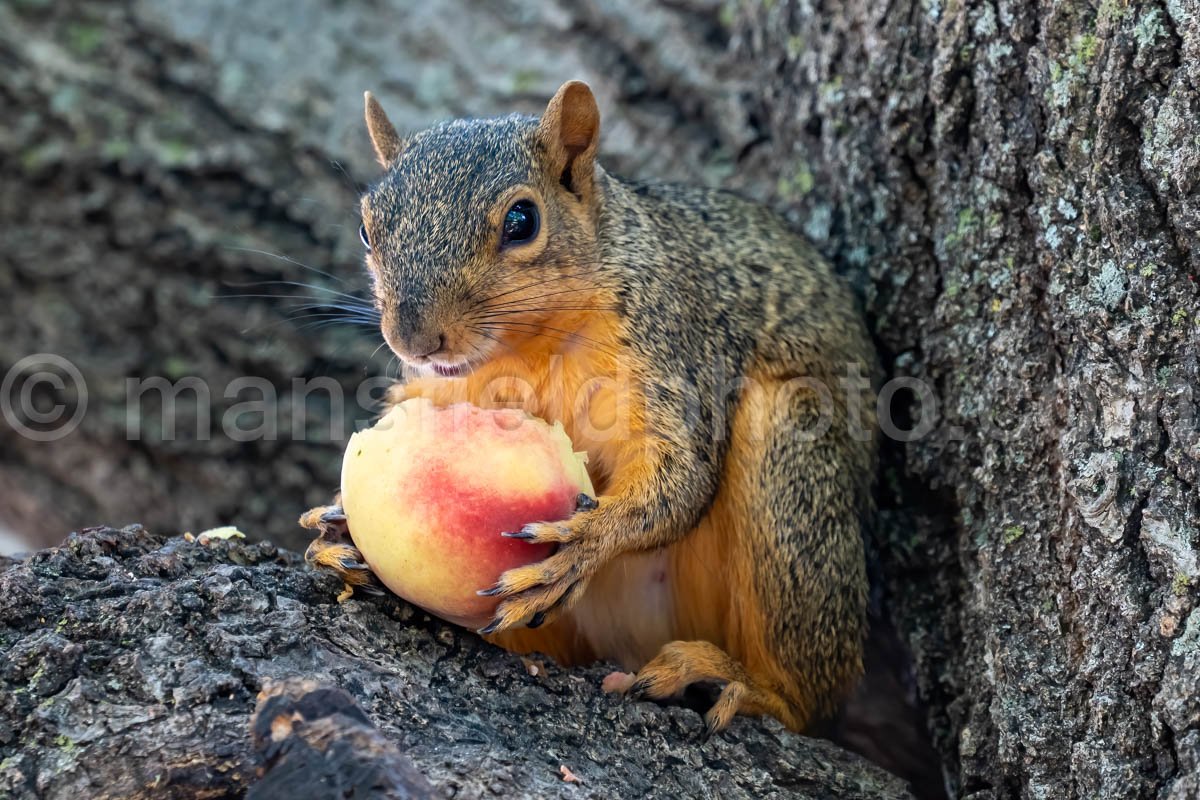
(1015, 184)
(131, 666)
(1012, 185)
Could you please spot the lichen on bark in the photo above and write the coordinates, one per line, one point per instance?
(1015, 184)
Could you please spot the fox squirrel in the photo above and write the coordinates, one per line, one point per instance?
(695, 348)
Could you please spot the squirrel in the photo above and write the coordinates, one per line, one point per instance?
(696, 348)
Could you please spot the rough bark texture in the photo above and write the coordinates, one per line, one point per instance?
(1017, 184)
(131, 664)
(1012, 184)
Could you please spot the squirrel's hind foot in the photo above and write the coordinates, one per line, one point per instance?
(680, 664)
(333, 550)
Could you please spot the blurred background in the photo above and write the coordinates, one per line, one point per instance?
(173, 170)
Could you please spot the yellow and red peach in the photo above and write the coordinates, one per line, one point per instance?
(427, 492)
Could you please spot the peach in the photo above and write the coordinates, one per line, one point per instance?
(427, 492)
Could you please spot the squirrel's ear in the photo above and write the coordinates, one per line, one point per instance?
(570, 130)
(388, 144)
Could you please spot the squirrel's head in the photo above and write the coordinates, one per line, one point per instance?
(482, 229)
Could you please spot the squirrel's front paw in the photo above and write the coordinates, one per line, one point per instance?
(539, 592)
(554, 532)
(333, 550)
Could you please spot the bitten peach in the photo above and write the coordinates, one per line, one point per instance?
(427, 492)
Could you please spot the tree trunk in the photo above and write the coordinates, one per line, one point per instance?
(1012, 185)
(1016, 185)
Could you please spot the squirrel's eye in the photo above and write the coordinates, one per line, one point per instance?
(520, 223)
(362, 234)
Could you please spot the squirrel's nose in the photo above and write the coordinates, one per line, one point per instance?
(410, 332)
(425, 344)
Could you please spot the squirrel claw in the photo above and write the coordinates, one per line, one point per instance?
(524, 534)
(638, 690)
(536, 621)
(333, 550)
(543, 533)
(540, 592)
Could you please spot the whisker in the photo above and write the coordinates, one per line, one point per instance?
(369, 311)
(537, 297)
(312, 326)
(288, 259)
(325, 320)
(333, 317)
(493, 337)
(366, 313)
(301, 312)
(477, 283)
(535, 309)
(297, 284)
(566, 340)
(534, 284)
(357, 307)
(354, 187)
(535, 329)
(330, 319)
(542, 282)
(366, 319)
(376, 350)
